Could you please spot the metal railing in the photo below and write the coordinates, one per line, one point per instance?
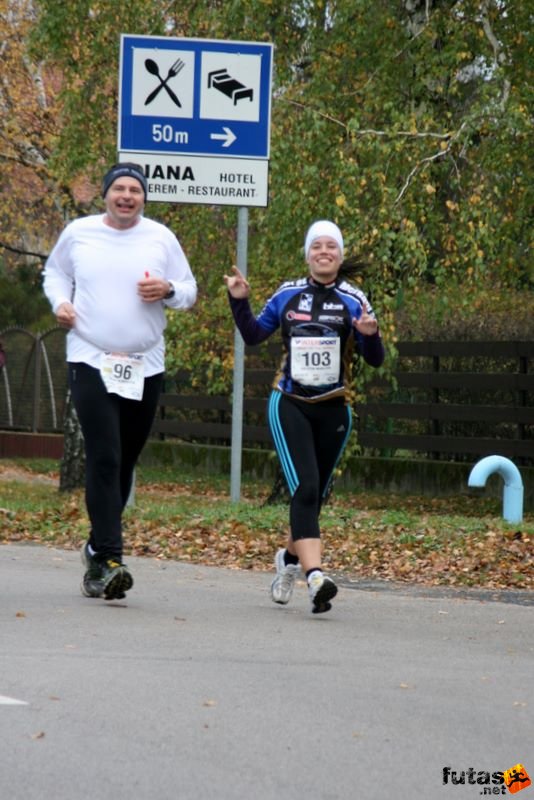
(33, 380)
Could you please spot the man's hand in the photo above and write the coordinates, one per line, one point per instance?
(66, 315)
(152, 289)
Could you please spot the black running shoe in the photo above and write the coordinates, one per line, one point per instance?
(92, 583)
(321, 590)
(116, 579)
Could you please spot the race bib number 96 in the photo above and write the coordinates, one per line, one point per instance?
(123, 374)
(315, 361)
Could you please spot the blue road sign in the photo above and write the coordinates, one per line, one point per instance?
(195, 96)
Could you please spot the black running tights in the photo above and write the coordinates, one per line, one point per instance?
(115, 430)
(309, 439)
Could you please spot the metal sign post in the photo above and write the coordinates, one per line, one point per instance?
(239, 368)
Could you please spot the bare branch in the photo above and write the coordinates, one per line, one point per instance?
(416, 169)
(428, 160)
(315, 111)
(393, 58)
(370, 131)
(35, 72)
(20, 252)
(407, 134)
(488, 30)
(498, 56)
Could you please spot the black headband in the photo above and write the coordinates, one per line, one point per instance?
(122, 171)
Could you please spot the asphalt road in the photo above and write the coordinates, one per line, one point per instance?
(198, 687)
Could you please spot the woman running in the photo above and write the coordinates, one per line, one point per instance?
(324, 320)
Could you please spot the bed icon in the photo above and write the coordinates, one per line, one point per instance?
(232, 88)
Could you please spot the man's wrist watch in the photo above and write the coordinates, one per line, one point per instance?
(171, 292)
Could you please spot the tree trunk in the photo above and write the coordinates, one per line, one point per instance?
(280, 492)
(72, 470)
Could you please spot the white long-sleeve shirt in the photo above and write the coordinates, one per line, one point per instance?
(97, 268)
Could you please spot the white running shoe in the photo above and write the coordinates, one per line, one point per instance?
(284, 582)
(321, 590)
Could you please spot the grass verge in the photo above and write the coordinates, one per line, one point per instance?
(461, 541)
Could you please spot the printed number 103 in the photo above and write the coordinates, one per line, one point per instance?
(317, 359)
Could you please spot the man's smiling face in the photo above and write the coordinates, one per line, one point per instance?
(125, 201)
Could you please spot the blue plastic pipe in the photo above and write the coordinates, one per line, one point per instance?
(512, 510)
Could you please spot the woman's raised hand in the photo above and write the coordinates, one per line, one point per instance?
(367, 324)
(237, 284)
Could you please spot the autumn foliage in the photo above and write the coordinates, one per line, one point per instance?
(407, 123)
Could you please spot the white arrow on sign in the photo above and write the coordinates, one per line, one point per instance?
(228, 136)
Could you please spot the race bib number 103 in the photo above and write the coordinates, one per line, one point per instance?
(315, 361)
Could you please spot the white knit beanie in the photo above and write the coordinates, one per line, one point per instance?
(322, 227)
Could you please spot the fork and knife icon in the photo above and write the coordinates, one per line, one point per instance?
(173, 71)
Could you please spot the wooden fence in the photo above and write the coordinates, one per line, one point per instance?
(197, 417)
(448, 400)
(486, 408)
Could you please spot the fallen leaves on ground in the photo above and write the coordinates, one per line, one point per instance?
(396, 538)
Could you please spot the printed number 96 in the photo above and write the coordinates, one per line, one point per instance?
(123, 372)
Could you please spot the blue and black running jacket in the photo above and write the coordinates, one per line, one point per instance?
(311, 317)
